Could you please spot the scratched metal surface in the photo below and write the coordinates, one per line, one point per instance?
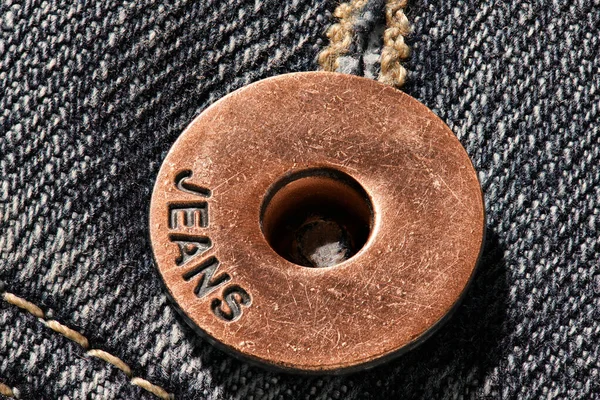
(425, 242)
(94, 93)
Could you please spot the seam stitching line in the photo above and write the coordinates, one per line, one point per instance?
(395, 48)
(6, 390)
(340, 34)
(84, 343)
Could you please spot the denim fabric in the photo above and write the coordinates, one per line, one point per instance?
(93, 94)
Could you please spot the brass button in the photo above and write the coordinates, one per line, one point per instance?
(317, 222)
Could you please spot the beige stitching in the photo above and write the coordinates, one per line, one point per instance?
(6, 391)
(68, 333)
(117, 362)
(340, 34)
(394, 48)
(157, 390)
(83, 342)
(24, 304)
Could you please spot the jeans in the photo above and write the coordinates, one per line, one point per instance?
(93, 94)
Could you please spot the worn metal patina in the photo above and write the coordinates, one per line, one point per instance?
(317, 222)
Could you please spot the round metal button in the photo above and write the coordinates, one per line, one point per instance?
(317, 222)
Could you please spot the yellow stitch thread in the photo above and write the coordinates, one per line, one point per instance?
(83, 342)
(394, 47)
(158, 391)
(109, 358)
(393, 6)
(6, 391)
(340, 34)
(68, 333)
(24, 304)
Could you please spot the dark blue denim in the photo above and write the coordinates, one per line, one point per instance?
(94, 93)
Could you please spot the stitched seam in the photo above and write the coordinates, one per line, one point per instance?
(395, 48)
(84, 343)
(340, 34)
(6, 390)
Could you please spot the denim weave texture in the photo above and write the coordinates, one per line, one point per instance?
(94, 93)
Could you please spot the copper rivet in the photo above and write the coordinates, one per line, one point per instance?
(317, 222)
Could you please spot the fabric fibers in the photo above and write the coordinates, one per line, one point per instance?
(93, 94)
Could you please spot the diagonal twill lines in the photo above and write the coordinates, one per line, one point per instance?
(84, 343)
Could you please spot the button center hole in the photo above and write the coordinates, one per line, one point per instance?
(317, 218)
